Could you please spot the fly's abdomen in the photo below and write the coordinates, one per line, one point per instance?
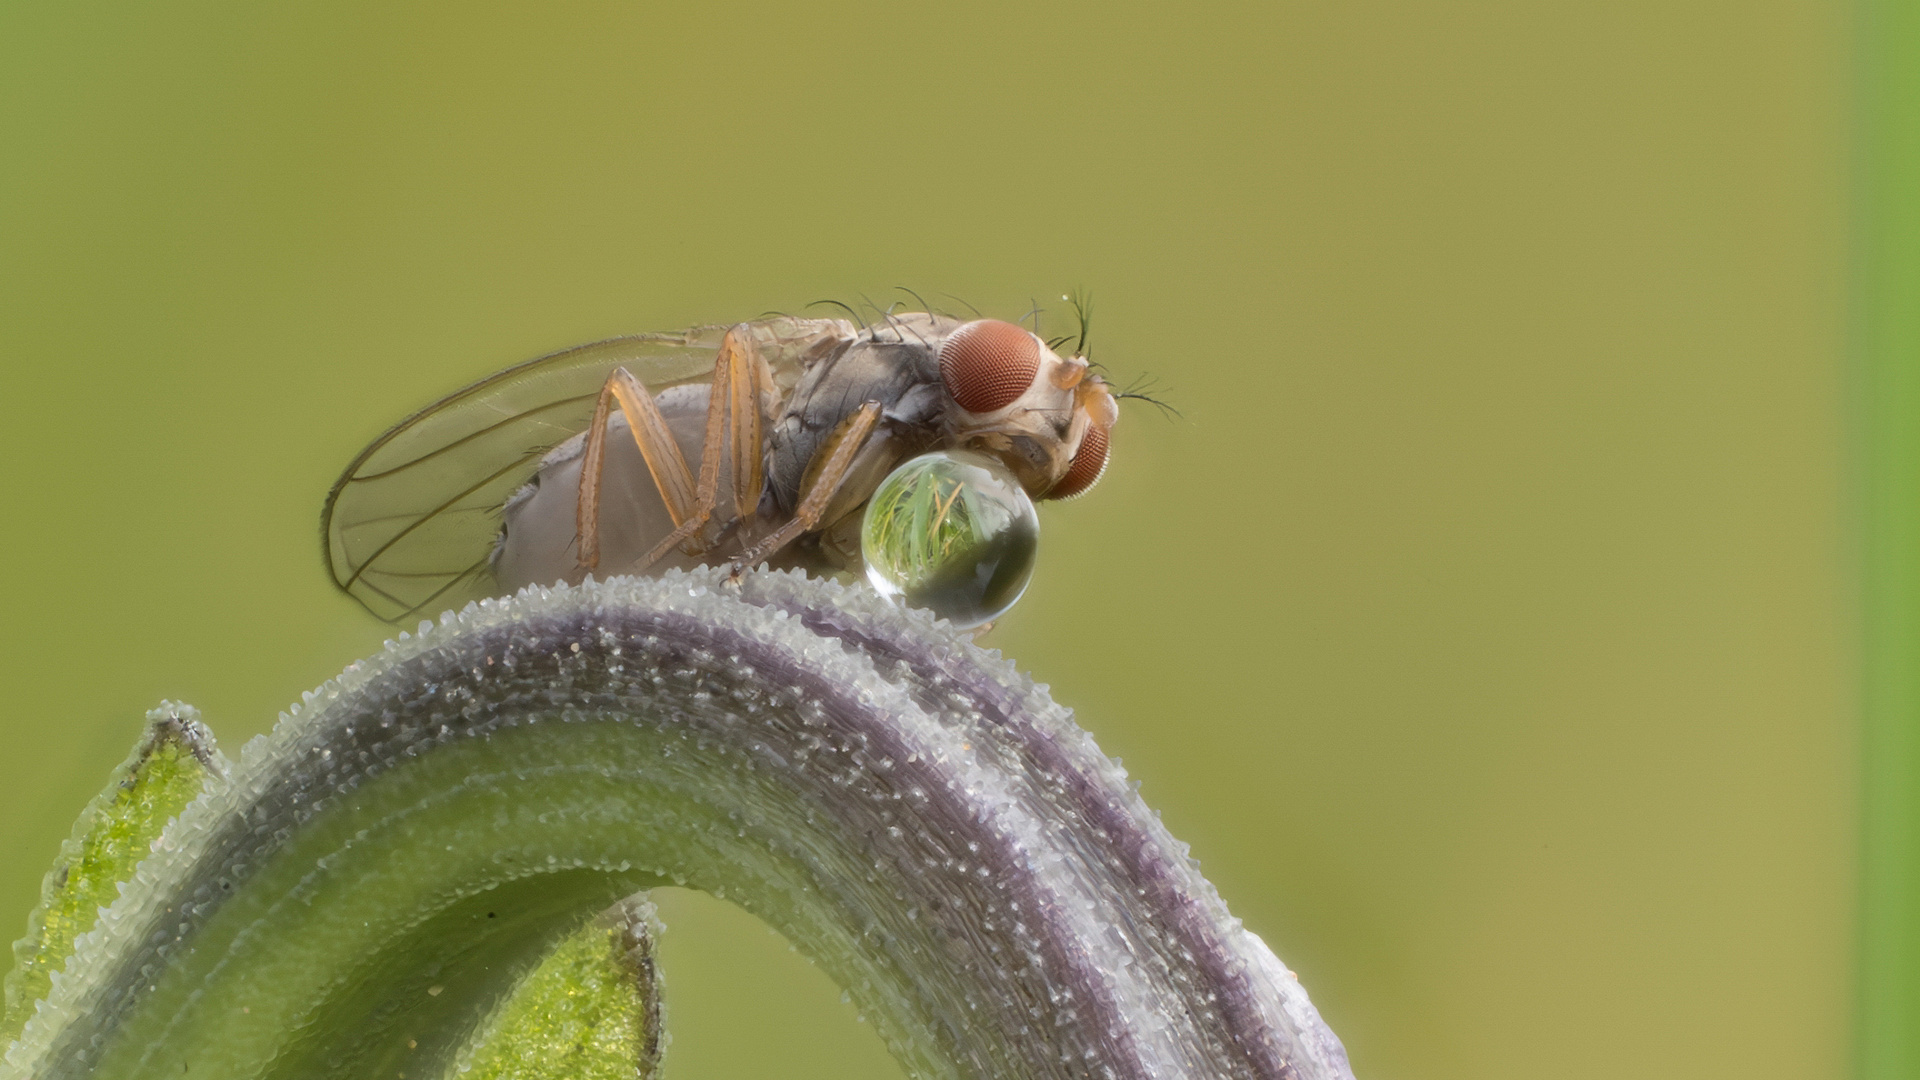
(539, 540)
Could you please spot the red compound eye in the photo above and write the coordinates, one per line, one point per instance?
(988, 364)
(1088, 463)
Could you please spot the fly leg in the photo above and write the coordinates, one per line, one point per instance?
(742, 386)
(657, 447)
(833, 459)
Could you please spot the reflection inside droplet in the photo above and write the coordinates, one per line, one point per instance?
(952, 532)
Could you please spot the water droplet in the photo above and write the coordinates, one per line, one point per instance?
(951, 532)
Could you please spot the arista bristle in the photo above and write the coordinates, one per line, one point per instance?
(1089, 462)
(988, 364)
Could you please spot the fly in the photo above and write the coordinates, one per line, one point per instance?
(759, 442)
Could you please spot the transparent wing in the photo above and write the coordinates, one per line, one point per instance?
(409, 527)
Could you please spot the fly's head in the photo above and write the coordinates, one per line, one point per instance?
(1046, 417)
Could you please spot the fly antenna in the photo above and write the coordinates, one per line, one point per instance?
(1082, 302)
(1142, 389)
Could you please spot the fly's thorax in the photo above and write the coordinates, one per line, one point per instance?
(895, 363)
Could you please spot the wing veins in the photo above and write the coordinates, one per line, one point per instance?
(429, 516)
(464, 439)
(408, 515)
(437, 593)
(464, 574)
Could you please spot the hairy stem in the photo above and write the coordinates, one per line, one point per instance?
(923, 821)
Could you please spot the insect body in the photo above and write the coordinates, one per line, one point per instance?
(759, 442)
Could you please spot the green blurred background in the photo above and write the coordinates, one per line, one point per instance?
(1485, 623)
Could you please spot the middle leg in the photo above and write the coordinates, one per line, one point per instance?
(733, 426)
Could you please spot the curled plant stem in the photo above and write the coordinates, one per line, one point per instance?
(380, 872)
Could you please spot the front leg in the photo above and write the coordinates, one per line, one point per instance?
(836, 458)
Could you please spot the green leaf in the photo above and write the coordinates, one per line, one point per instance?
(166, 771)
(590, 1011)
